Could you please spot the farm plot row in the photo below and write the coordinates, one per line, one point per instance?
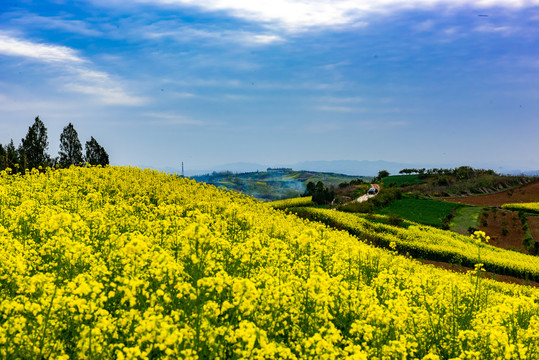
(532, 207)
(430, 243)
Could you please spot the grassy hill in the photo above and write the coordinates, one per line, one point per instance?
(273, 184)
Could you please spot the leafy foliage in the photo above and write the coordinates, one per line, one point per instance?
(95, 153)
(34, 146)
(70, 147)
(320, 194)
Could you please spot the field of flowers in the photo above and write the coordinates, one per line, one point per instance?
(123, 263)
(532, 207)
(293, 202)
(430, 243)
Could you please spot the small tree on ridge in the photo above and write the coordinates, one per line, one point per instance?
(70, 147)
(95, 153)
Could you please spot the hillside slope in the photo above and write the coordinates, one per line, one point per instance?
(123, 263)
(274, 184)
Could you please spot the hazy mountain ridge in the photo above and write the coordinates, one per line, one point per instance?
(345, 167)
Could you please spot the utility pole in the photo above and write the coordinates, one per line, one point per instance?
(182, 169)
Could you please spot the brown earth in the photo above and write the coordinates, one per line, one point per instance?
(523, 193)
(494, 221)
(497, 277)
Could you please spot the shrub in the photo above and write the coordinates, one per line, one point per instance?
(394, 219)
(472, 229)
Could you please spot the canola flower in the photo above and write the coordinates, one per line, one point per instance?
(426, 242)
(290, 203)
(532, 207)
(123, 263)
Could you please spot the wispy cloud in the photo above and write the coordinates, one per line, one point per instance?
(188, 33)
(336, 108)
(11, 46)
(167, 119)
(504, 30)
(74, 72)
(30, 20)
(100, 86)
(299, 15)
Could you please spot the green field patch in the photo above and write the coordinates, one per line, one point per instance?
(421, 210)
(466, 217)
(402, 180)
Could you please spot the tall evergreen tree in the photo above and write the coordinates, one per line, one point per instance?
(11, 156)
(70, 147)
(34, 146)
(95, 153)
(2, 157)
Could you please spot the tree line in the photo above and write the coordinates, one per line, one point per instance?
(462, 172)
(32, 151)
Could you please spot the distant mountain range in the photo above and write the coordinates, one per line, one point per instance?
(346, 167)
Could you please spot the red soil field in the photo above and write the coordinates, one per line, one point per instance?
(524, 193)
(498, 220)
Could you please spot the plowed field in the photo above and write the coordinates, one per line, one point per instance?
(524, 193)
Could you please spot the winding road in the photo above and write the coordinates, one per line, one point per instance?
(366, 197)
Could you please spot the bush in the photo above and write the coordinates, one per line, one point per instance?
(394, 219)
(529, 243)
(471, 230)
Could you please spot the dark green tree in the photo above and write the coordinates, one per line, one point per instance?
(464, 173)
(34, 145)
(9, 156)
(95, 153)
(382, 174)
(323, 195)
(12, 155)
(2, 157)
(70, 147)
(311, 187)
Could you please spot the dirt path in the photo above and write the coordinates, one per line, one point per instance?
(366, 197)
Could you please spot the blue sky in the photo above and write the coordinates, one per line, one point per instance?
(209, 82)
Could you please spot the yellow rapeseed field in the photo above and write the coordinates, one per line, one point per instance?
(529, 207)
(123, 263)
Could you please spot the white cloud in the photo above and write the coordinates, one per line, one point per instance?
(184, 95)
(74, 72)
(298, 15)
(505, 30)
(345, 99)
(42, 52)
(188, 33)
(335, 108)
(52, 22)
(168, 119)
